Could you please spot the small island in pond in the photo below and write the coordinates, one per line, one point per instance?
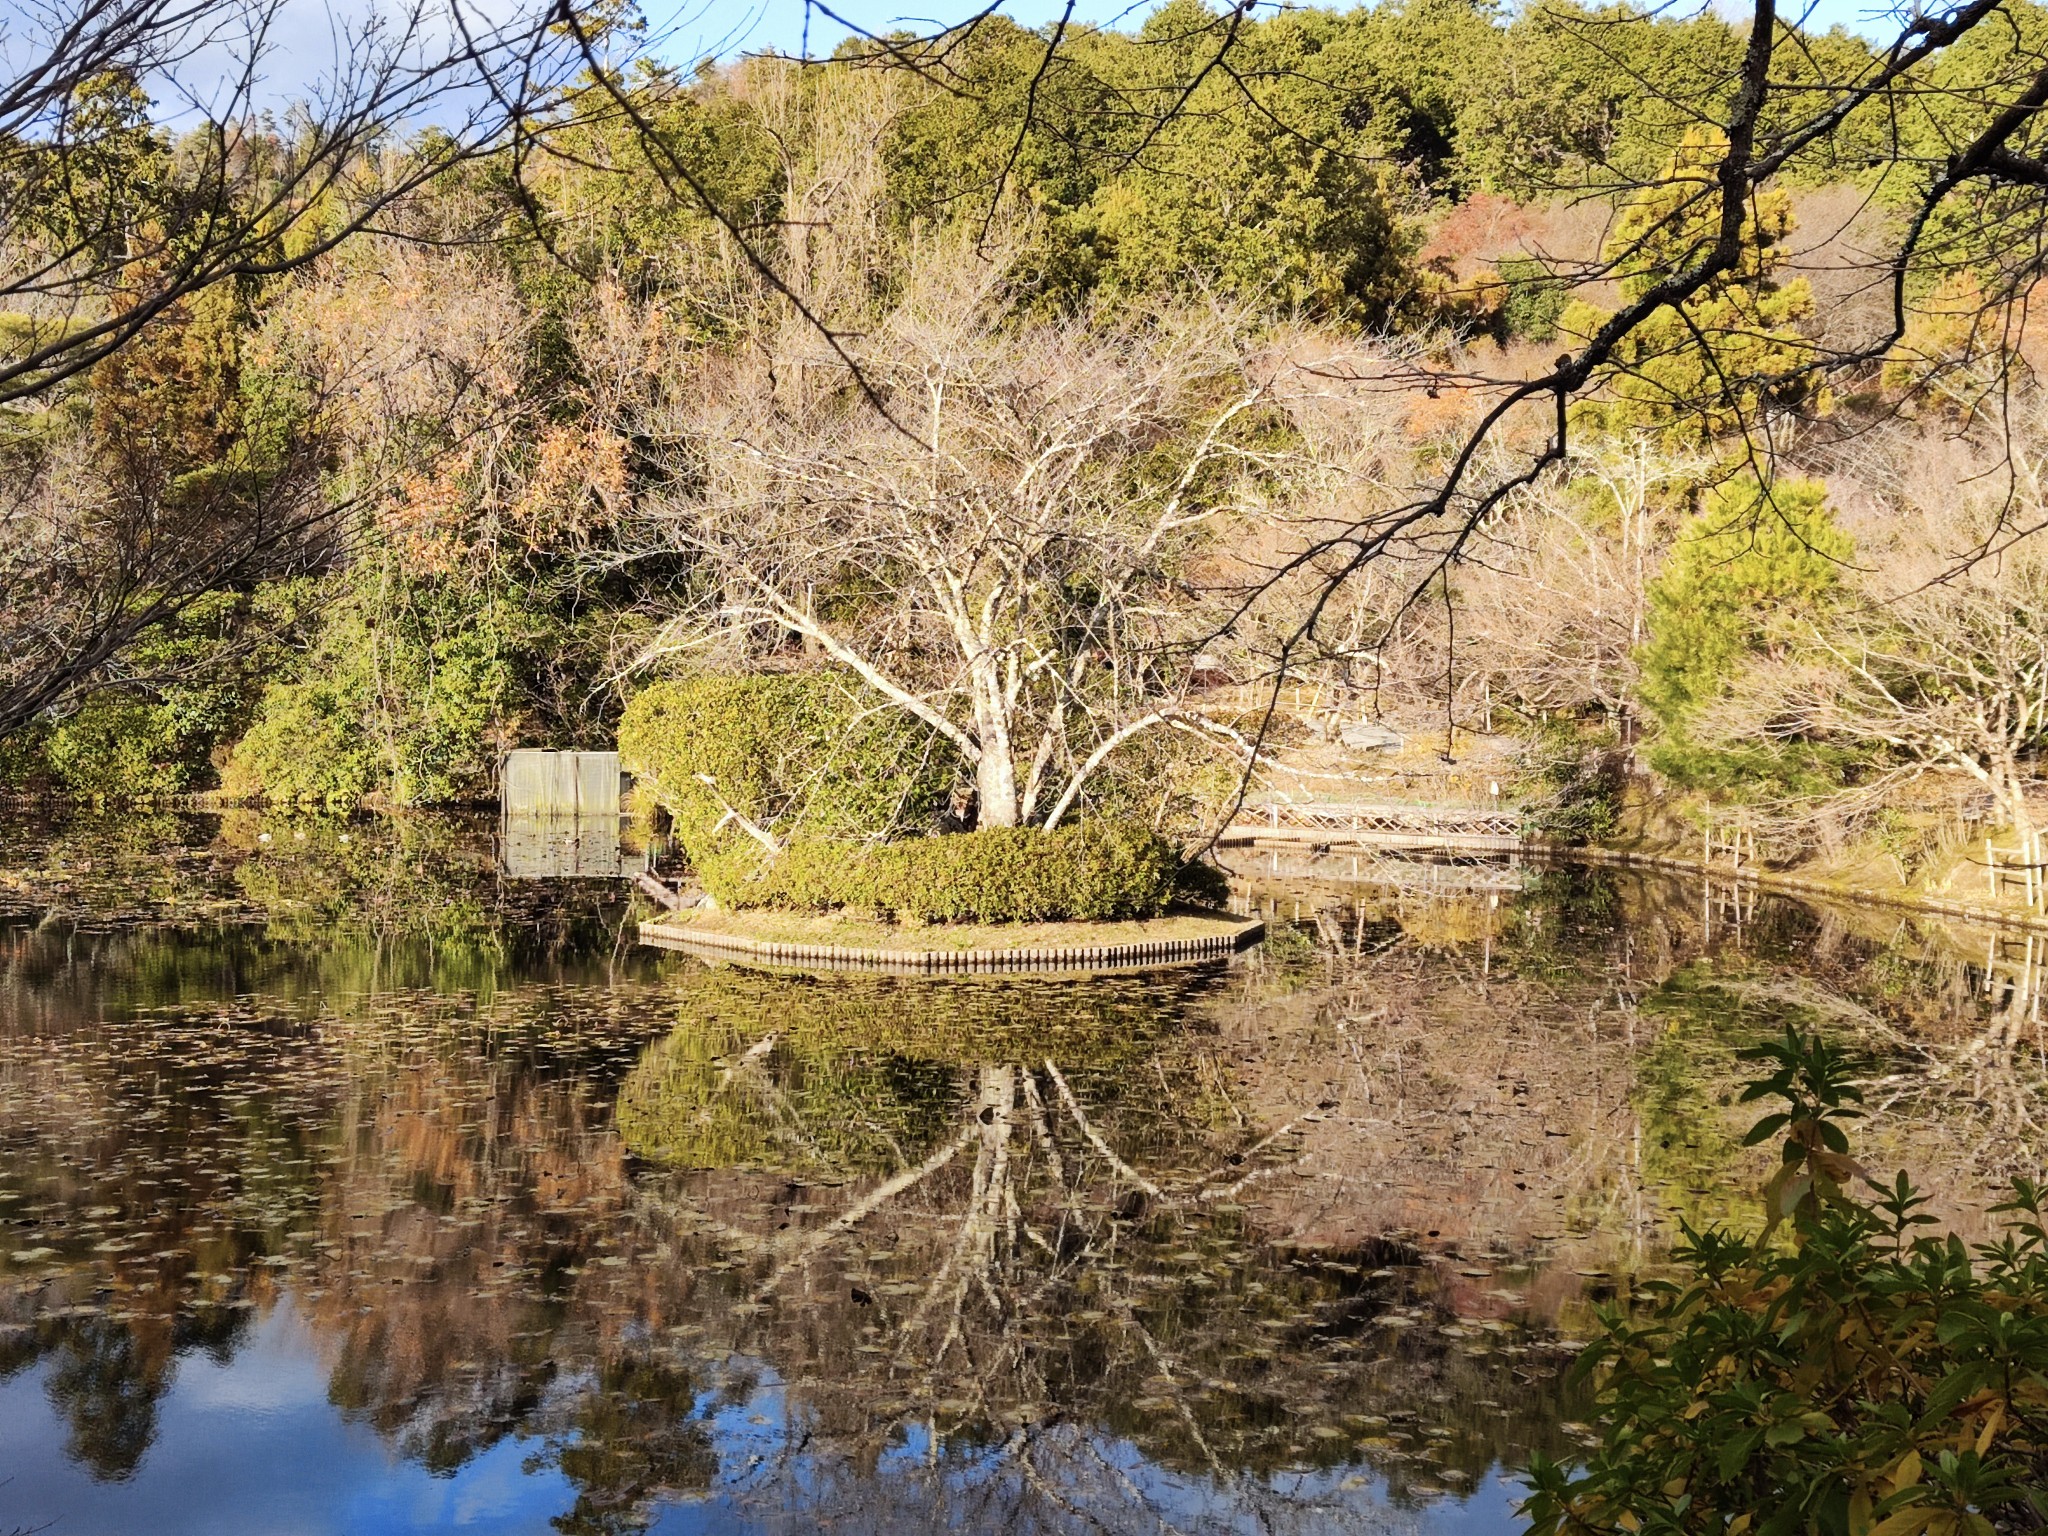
(819, 829)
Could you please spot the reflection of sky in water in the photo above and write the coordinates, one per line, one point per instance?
(253, 1447)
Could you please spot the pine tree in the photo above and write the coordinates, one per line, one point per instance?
(1748, 569)
(1698, 372)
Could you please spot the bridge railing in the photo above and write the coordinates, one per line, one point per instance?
(1385, 816)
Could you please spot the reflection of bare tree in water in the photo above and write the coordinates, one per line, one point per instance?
(1089, 1339)
(1948, 1016)
(1686, 972)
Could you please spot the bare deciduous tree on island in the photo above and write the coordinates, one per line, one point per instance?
(1011, 563)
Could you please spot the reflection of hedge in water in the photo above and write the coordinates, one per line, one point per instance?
(128, 865)
(702, 1099)
(1564, 919)
(422, 890)
(1690, 1147)
(67, 976)
(853, 1073)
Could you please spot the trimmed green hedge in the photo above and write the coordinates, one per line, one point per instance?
(794, 751)
(1095, 871)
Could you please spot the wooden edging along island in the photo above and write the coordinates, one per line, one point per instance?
(674, 934)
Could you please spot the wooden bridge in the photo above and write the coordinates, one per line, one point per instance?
(1379, 824)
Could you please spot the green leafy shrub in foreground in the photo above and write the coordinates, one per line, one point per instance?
(1094, 871)
(1863, 1378)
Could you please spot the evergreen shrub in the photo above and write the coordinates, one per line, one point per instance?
(1585, 776)
(307, 746)
(1095, 871)
(405, 690)
(1746, 579)
(156, 739)
(793, 751)
(1533, 299)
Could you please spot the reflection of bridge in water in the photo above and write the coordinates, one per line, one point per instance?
(1344, 898)
(1489, 828)
(1403, 871)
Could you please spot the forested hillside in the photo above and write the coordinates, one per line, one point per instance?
(1031, 391)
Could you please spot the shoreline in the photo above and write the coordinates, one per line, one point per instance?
(1764, 879)
(1800, 885)
(1243, 836)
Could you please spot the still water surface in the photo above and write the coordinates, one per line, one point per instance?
(347, 1185)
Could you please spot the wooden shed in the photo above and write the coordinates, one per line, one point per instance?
(535, 782)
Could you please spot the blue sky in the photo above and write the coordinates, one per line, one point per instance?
(309, 37)
(724, 27)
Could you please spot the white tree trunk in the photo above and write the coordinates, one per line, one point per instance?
(995, 783)
(2010, 790)
(995, 769)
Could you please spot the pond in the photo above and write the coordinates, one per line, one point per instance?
(348, 1185)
